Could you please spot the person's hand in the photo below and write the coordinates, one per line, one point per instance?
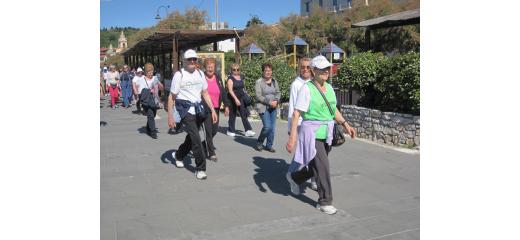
(214, 116)
(350, 131)
(273, 104)
(290, 144)
(237, 102)
(226, 111)
(171, 121)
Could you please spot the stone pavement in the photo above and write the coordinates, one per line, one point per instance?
(246, 196)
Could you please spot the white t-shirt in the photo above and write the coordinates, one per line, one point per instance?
(296, 85)
(142, 83)
(112, 77)
(136, 80)
(189, 86)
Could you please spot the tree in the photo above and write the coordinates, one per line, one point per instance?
(255, 20)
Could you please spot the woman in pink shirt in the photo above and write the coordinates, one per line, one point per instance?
(218, 95)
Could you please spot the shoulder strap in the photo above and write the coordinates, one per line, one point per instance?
(323, 95)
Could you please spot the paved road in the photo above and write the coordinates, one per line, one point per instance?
(144, 196)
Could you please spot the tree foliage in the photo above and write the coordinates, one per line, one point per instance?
(388, 83)
(255, 20)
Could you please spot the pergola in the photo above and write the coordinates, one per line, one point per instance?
(397, 19)
(157, 45)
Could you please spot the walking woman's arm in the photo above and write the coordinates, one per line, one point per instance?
(294, 132)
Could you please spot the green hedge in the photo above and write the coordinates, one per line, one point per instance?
(282, 73)
(385, 83)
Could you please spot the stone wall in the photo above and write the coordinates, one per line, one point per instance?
(384, 127)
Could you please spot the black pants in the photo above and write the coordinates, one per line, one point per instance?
(243, 115)
(192, 141)
(211, 130)
(320, 169)
(150, 116)
(138, 103)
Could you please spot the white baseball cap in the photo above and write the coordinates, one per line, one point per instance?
(190, 53)
(139, 69)
(320, 62)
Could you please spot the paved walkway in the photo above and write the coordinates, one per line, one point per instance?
(144, 196)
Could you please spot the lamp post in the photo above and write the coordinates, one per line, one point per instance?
(157, 17)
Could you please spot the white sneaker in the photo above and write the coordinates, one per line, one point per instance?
(250, 133)
(178, 163)
(231, 134)
(314, 186)
(295, 189)
(201, 175)
(329, 209)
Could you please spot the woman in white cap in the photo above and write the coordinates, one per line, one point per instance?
(188, 88)
(313, 141)
(138, 76)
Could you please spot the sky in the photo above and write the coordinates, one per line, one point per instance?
(141, 13)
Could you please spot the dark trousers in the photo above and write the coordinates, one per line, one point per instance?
(233, 115)
(138, 103)
(211, 130)
(320, 169)
(150, 116)
(192, 141)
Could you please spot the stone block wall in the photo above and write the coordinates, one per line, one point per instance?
(384, 127)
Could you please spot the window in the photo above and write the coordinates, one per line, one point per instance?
(307, 6)
(321, 3)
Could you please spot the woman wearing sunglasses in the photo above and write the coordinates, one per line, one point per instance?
(237, 94)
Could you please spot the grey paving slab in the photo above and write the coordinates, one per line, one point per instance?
(246, 195)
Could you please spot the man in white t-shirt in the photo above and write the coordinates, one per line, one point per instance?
(186, 93)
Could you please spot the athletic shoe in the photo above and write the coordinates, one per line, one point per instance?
(329, 209)
(271, 150)
(250, 133)
(178, 163)
(153, 135)
(314, 186)
(259, 147)
(231, 134)
(213, 158)
(201, 175)
(295, 189)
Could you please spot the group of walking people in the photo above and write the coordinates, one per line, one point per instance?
(196, 96)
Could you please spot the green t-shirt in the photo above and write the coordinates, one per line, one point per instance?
(318, 109)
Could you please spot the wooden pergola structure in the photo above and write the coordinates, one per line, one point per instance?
(163, 47)
(397, 19)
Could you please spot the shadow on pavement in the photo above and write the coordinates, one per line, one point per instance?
(167, 158)
(271, 171)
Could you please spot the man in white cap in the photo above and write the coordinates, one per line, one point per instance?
(137, 78)
(313, 140)
(188, 85)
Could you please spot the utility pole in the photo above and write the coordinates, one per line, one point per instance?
(216, 15)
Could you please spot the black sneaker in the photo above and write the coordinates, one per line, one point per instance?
(259, 147)
(271, 150)
(153, 134)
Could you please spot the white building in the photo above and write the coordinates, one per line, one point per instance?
(226, 45)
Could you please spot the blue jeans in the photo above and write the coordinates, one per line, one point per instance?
(126, 88)
(269, 121)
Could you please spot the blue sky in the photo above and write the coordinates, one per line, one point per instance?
(141, 13)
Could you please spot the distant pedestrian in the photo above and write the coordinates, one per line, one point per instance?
(238, 102)
(267, 96)
(150, 81)
(126, 86)
(187, 90)
(137, 91)
(313, 141)
(218, 96)
(113, 85)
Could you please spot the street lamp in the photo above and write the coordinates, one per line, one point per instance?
(157, 17)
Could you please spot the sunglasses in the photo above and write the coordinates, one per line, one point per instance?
(236, 69)
(305, 67)
(192, 59)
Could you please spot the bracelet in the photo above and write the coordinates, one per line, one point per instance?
(341, 124)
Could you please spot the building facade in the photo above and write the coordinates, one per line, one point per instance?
(226, 45)
(307, 6)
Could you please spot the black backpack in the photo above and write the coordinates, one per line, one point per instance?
(147, 97)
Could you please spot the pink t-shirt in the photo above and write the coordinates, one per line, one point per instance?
(213, 90)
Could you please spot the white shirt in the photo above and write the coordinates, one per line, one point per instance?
(296, 85)
(142, 83)
(189, 86)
